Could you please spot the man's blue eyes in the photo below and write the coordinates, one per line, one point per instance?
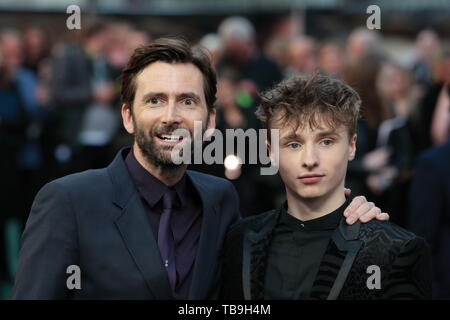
(327, 142)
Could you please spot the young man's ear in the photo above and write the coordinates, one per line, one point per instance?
(352, 148)
(273, 157)
(268, 146)
(127, 118)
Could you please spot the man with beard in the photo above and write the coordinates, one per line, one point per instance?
(142, 228)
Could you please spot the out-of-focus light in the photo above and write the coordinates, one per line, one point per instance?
(63, 153)
(232, 162)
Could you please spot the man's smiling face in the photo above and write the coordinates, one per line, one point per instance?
(169, 96)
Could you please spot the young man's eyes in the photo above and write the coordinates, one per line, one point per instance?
(324, 142)
(293, 145)
(327, 142)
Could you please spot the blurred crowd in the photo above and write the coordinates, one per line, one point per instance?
(60, 108)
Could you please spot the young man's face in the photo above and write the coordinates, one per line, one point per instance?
(313, 162)
(168, 97)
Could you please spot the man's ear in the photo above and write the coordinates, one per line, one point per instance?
(127, 118)
(352, 148)
(211, 119)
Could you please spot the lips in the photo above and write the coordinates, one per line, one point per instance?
(168, 138)
(311, 178)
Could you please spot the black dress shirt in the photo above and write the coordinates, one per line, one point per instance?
(186, 218)
(295, 253)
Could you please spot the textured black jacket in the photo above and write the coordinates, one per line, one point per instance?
(403, 259)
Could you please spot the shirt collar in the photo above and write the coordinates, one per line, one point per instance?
(329, 221)
(150, 188)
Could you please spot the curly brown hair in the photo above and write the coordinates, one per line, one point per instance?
(303, 100)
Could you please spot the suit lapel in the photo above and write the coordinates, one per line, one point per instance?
(136, 231)
(208, 247)
(255, 251)
(337, 262)
(140, 241)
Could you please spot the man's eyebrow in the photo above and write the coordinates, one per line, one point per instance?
(321, 134)
(149, 95)
(290, 136)
(328, 133)
(182, 95)
(191, 95)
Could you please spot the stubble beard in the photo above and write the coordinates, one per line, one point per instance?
(159, 156)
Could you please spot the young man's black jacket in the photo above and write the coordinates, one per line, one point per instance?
(403, 259)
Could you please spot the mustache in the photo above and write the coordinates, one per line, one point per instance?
(167, 128)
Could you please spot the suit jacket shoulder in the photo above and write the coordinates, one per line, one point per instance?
(376, 230)
(233, 250)
(210, 181)
(253, 223)
(83, 183)
(401, 258)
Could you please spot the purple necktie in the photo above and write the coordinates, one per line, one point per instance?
(165, 237)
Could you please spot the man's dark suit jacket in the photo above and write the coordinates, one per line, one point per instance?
(430, 212)
(402, 257)
(96, 220)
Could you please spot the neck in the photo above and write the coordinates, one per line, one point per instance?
(401, 105)
(308, 209)
(167, 175)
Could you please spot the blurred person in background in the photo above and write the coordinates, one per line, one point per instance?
(440, 126)
(426, 53)
(279, 37)
(100, 121)
(361, 70)
(21, 160)
(81, 96)
(430, 207)
(121, 41)
(245, 177)
(71, 92)
(428, 128)
(241, 52)
(214, 44)
(246, 71)
(331, 58)
(301, 56)
(36, 48)
(390, 164)
(229, 113)
(21, 114)
(361, 43)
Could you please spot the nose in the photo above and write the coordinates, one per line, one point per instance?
(171, 115)
(310, 159)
